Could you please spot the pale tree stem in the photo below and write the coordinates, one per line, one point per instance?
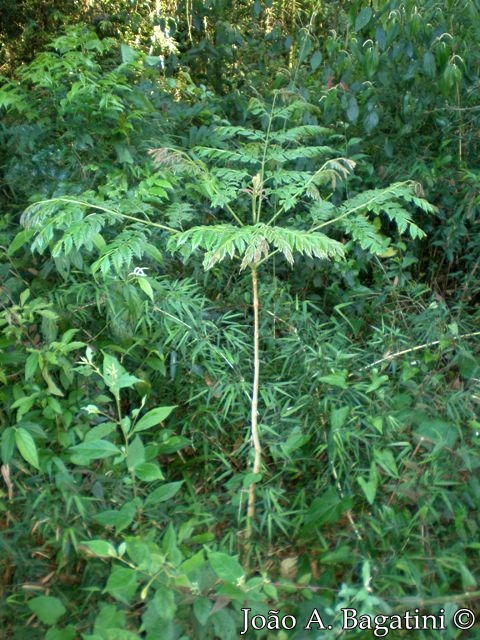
(255, 436)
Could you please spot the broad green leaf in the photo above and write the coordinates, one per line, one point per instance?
(342, 554)
(315, 60)
(125, 424)
(128, 54)
(326, 509)
(109, 617)
(120, 519)
(163, 493)
(95, 449)
(369, 487)
(201, 609)
(148, 472)
(26, 446)
(146, 287)
(121, 634)
(123, 153)
(24, 404)
(436, 432)
(172, 445)
(388, 253)
(386, 460)
(47, 313)
(19, 240)
(305, 45)
(376, 383)
(468, 579)
(169, 544)
(363, 18)
(339, 416)
(122, 584)
(24, 296)
(165, 603)
(135, 453)
(352, 109)
(271, 591)
(154, 253)
(52, 387)
(145, 554)
(47, 609)
(429, 64)
(152, 624)
(115, 375)
(152, 418)
(450, 77)
(100, 431)
(154, 61)
(296, 439)
(194, 566)
(100, 548)
(225, 624)
(226, 567)
(381, 38)
(371, 120)
(65, 633)
(468, 362)
(8, 444)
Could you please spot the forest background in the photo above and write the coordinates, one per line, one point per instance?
(239, 283)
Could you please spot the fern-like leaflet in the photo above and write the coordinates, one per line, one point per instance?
(253, 243)
(353, 215)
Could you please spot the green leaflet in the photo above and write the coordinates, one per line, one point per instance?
(254, 243)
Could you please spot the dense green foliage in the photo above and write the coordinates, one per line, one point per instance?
(239, 362)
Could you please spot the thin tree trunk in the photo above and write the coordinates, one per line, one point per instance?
(255, 436)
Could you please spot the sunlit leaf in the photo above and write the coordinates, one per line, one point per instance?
(26, 446)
